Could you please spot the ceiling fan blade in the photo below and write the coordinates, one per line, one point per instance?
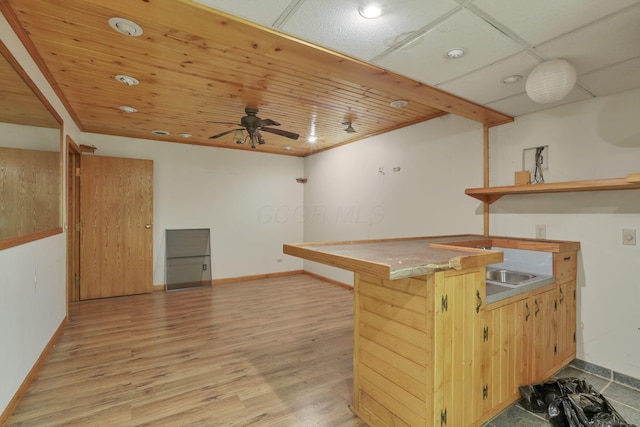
(224, 133)
(284, 133)
(268, 122)
(224, 123)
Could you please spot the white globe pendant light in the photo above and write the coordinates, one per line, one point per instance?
(551, 81)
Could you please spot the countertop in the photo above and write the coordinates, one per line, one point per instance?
(397, 258)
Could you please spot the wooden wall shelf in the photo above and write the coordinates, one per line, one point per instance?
(491, 194)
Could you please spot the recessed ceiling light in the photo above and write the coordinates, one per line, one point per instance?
(312, 139)
(160, 132)
(370, 12)
(128, 109)
(127, 80)
(399, 103)
(286, 148)
(512, 79)
(455, 53)
(185, 135)
(126, 27)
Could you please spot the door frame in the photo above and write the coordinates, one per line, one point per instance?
(73, 217)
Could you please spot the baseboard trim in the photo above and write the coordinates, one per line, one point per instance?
(31, 375)
(328, 280)
(606, 373)
(157, 288)
(255, 277)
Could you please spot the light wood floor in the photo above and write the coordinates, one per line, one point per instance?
(273, 352)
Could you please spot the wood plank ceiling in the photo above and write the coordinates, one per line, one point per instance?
(196, 65)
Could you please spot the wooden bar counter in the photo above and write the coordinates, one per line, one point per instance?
(428, 351)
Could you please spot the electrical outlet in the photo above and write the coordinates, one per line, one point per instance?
(541, 231)
(629, 236)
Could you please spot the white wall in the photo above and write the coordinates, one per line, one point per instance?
(599, 138)
(32, 306)
(32, 276)
(347, 198)
(239, 195)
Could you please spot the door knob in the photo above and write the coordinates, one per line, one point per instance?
(147, 226)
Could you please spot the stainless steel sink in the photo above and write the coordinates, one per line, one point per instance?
(509, 277)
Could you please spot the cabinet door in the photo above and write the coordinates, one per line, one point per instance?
(504, 358)
(566, 300)
(457, 388)
(542, 339)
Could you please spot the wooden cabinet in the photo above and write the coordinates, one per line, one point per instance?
(541, 333)
(428, 351)
(503, 367)
(566, 339)
(458, 349)
(416, 349)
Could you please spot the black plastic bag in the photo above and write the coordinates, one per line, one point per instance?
(571, 402)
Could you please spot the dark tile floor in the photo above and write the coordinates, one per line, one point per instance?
(626, 400)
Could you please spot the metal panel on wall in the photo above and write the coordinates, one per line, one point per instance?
(188, 258)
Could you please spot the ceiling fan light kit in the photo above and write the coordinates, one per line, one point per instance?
(550, 81)
(253, 125)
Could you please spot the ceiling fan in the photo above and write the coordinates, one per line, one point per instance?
(253, 125)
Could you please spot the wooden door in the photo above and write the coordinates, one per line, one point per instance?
(116, 209)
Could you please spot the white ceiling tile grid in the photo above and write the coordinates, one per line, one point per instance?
(501, 38)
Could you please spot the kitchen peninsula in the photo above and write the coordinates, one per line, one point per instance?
(428, 349)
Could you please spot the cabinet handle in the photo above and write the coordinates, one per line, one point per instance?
(526, 318)
(561, 295)
(443, 417)
(537, 308)
(479, 301)
(567, 258)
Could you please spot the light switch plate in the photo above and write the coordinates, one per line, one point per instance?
(629, 236)
(541, 231)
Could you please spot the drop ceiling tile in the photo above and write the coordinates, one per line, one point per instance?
(485, 85)
(521, 104)
(263, 12)
(424, 60)
(542, 20)
(613, 79)
(336, 24)
(608, 42)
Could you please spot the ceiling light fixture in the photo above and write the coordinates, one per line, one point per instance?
(238, 136)
(515, 78)
(399, 103)
(286, 148)
(127, 80)
(551, 81)
(126, 27)
(128, 109)
(349, 128)
(370, 12)
(160, 132)
(455, 53)
(312, 139)
(185, 135)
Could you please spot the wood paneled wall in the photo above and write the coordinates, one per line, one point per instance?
(29, 191)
